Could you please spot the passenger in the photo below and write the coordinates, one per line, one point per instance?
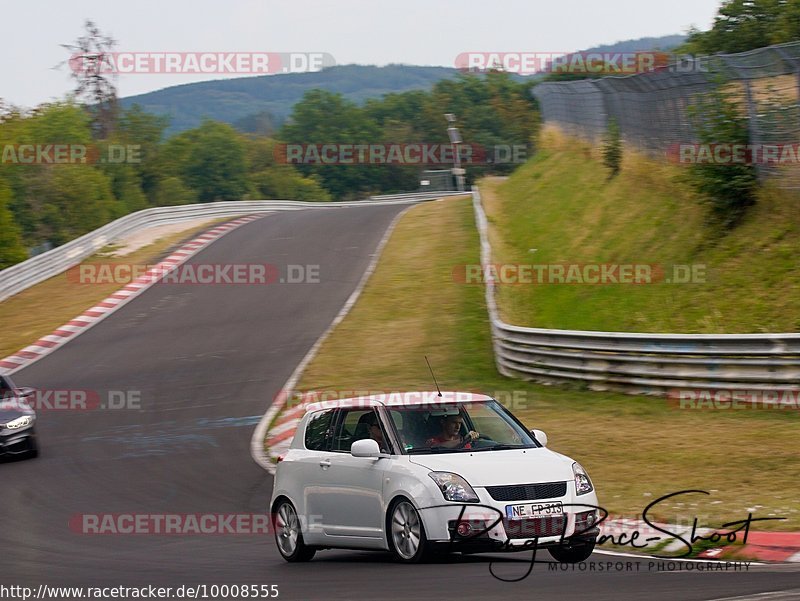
(450, 436)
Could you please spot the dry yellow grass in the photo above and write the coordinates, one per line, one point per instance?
(39, 310)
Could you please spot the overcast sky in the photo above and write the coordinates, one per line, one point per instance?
(375, 32)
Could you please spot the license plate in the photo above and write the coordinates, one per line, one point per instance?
(533, 510)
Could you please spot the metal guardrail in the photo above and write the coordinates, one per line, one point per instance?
(416, 196)
(637, 362)
(46, 265)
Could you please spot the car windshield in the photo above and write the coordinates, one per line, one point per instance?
(458, 427)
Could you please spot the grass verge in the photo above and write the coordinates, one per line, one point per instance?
(40, 309)
(636, 449)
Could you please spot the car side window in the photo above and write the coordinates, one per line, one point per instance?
(358, 424)
(318, 430)
(6, 388)
(345, 431)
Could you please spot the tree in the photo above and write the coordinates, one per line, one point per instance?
(145, 132)
(728, 189)
(326, 118)
(72, 200)
(92, 68)
(742, 25)
(172, 191)
(209, 159)
(11, 249)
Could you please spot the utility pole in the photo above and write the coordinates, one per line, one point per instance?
(455, 140)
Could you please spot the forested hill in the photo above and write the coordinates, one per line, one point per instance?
(256, 104)
(665, 43)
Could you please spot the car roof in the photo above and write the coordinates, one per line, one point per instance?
(396, 399)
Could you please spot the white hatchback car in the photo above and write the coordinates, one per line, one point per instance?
(415, 473)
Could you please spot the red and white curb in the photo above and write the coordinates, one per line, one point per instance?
(763, 546)
(280, 435)
(47, 344)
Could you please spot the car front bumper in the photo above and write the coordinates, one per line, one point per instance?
(15, 442)
(490, 529)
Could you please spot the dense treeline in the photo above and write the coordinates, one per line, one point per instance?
(494, 113)
(47, 200)
(742, 25)
(44, 204)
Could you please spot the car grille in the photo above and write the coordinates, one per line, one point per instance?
(552, 525)
(528, 492)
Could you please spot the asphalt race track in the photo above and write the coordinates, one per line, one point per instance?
(207, 361)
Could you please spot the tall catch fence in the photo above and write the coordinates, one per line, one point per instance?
(653, 109)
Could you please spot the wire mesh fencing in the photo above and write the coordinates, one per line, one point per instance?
(658, 111)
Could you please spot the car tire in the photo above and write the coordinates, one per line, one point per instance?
(289, 535)
(572, 554)
(406, 533)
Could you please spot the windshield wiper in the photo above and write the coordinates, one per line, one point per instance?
(503, 447)
(433, 450)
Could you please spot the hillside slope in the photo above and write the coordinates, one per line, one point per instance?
(559, 208)
(231, 100)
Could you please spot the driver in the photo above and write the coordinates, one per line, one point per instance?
(375, 432)
(450, 436)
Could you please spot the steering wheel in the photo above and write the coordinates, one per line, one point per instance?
(480, 437)
(465, 440)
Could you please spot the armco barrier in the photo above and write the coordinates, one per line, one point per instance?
(635, 362)
(41, 267)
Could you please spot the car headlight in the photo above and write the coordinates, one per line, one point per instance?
(583, 484)
(20, 422)
(454, 487)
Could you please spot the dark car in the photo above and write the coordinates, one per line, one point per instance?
(17, 420)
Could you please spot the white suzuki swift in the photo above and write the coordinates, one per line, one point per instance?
(418, 472)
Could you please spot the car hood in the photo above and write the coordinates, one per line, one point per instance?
(12, 409)
(495, 468)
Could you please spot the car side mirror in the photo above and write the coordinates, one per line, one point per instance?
(25, 392)
(365, 448)
(540, 436)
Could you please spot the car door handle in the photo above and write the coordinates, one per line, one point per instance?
(325, 464)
